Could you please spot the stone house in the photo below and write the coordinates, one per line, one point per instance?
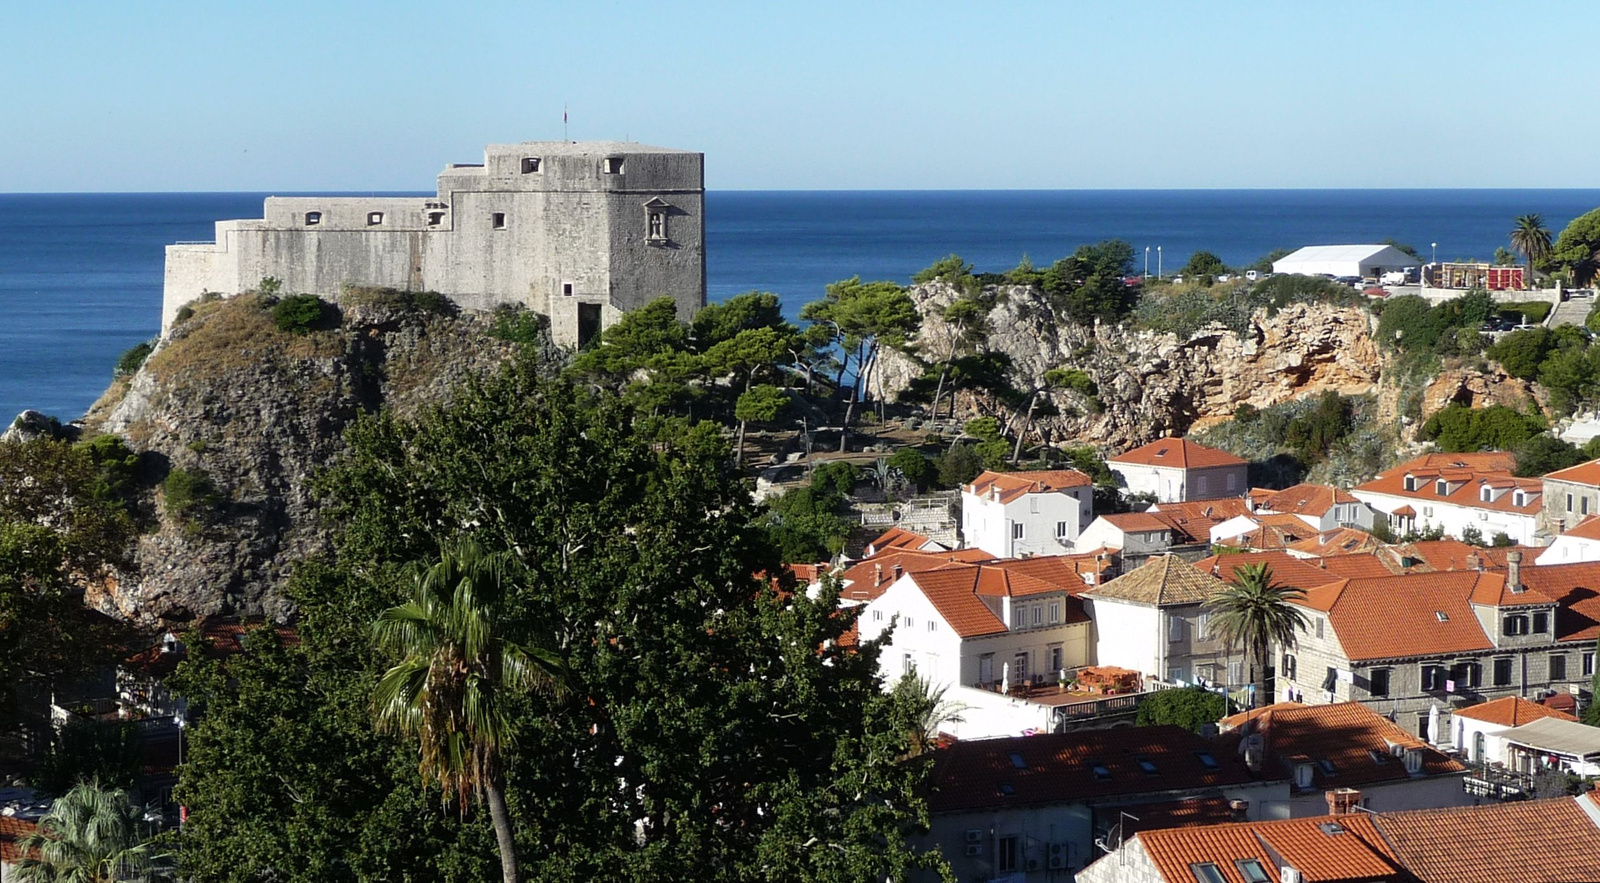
(1031, 808)
(1176, 469)
(1417, 645)
(1344, 746)
(1013, 514)
(1570, 496)
(1154, 621)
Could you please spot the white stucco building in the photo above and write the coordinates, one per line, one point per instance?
(1175, 469)
(1012, 514)
(1153, 620)
(1457, 492)
(1582, 543)
(1321, 506)
(1475, 731)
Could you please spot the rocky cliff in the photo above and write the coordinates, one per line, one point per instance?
(256, 410)
(1151, 384)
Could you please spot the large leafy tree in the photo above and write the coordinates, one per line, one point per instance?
(1531, 237)
(861, 318)
(1255, 612)
(1577, 249)
(449, 689)
(714, 728)
(90, 835)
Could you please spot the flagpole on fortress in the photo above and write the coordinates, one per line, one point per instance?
(564, 121)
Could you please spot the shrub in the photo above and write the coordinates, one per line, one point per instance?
(1191, 708)
(393, 298)
(1533, 312)
(519, 326)
(1495, 428)
(959, 465)
(190, 495)
(916, 467)
(299, 313)
(133, 359)
(836, 479)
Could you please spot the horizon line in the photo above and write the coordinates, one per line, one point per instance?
(374, 192)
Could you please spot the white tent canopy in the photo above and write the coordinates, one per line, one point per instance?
(1345, 260)
(1556, 736)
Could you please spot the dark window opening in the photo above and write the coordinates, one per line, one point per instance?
(1379, 682)
(313, 218)
(435, 218)
(374, 219)
(612, 165)
(588, 323)
(1502, 672)
(1541, 623)
(530, 165)
(1558, 667)
(566, 289)
(498, 220)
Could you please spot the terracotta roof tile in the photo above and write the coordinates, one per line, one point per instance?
(1207, 511)
(867, 579)
(1176, 452)
(12, 830)
(1138, 522)
(1306, 499)
(1583, 473)
(1175, 814)
(1339, 541)
(1300, 573)
(1011, 485)
(1545, 840)
(1074, 573)
(1466, 474)
(1061, 767)
(1397, 617)
(950, 590)
(1366, 566)
(1587, 529)
(897, 538)
(1352, 738)
(1164, 579)
(1512, 711)
(1350, 850)
(1576, 589)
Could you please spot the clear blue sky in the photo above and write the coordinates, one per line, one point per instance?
(289, 96)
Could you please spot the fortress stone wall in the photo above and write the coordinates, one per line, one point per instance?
(578, 231)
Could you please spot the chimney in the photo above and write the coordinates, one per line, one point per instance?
(1514, 572)
(1474, 562)
(898, 571)
(877, 574)
(1239, 810)
(1343, 801)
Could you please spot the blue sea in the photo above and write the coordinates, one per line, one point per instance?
(80, 274)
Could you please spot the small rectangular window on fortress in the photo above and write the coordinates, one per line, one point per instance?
(435, 219)
(498, 220)
(613, 165)
(374, 219)
(566, 289)
(530, 165)
(313, 218)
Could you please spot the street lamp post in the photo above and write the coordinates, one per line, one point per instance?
(1147, 261)
(1158, 262)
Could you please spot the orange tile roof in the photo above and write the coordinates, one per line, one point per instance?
(1350, 850)
(1012, 485)
(1173, 814)
(1179, 453)
(1512, 711)
(1397, 617)
(897, 538)
(1059, 767)
(1339, 541)
(1583, 473)
(1351, 737)
(1306, 499)
(1066, 571)
(1138, 522)
(1446, 554)
(1468, 472)
(950, 591)
(12, 830)
(1587, 529)
(1544, 840)
(1366, 566)
(1209, 511)
(1163, 580)
(1287, 569)
(1576, 588)
(867, 579)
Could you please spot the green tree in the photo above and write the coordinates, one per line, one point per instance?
(951, 268)
(1577, 249)
(1264, 263)
(90, 835)
(1495, 428)
(1203, 264)
(914, 465)
(717, 322)
(959, 464)
(1408, 323)
(758, 404)
(862, 317)
(1532, 238)
(1545, 453)
(449, 689)
(1191, 708)
(1521, 353)
(964, 321)
(1253, 613)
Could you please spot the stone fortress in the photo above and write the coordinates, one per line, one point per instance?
(578, 231)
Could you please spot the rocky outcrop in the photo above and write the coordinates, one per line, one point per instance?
(1152, 384)
(256, 410)
(1476, 388)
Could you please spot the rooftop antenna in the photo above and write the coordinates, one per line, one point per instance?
(564, 121)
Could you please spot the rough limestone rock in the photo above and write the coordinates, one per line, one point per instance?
(257, 410)
(1152, 384)
(31, 424)
(1476, 389)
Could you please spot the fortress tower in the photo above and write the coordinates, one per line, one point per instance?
(578, 231)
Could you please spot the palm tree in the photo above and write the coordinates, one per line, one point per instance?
(1254, 612)
(90, 835)
(457, 672)
(1532, 238)
(929, 711)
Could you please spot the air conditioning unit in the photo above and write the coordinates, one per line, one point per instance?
(974, 835)
(1035, 865)
(1288, 875)
(1058, 856)
(974, 849)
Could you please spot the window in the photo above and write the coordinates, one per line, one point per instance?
(877, 616)
(435, 219)
(1411, 483)
(374, 219)
(1583, 505)
(566, 289)
(313, 218)
(612, 165)
(1379, 681)
(1207, 872)
(1019, 667)
(1319, 626)
(1541, 622)
(1236, 672)
(1177, 674)
(1061, 530)
(1201, 483)
(1251, 871)
(1019, 617)
(1018, 761)
(1233, 481)
(497, 220)
(530, 165)
(1055, 659)
(1055, 612)
(1441, 487)
(1467, 674)
(1207, 761)
(1006, 854)
(1330, 681)
(1099, 770)
(1502, 671)
(1514, 625)
(1148, 766)
(910, 621)
(1427, 511)
(1558, 667)
(1016, 530)
(1569, 502)
(1202, 628)
(933, 625)
(1287, 667)
(1174, 628)
(1433, 677)
(907, 666)
(1588, 664)
(1038, 615)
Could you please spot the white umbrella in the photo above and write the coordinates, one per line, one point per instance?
(1005, 678)
(1433, 724)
